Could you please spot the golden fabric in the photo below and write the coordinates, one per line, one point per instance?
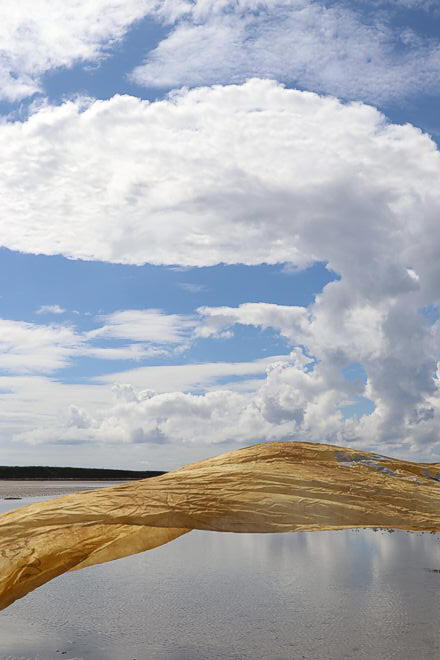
(272, 487)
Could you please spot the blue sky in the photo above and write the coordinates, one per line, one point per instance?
(218, 257)
(85, 290)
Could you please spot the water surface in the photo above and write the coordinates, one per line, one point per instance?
(206, 595)
(20, 488)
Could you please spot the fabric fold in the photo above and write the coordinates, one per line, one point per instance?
(271, 487)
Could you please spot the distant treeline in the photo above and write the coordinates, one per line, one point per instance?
(87, 474)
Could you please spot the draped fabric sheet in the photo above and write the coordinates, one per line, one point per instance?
(272, 487)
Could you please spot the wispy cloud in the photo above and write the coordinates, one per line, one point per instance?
(146, 325)
(50, 309)
(41, 35)
(339, 48)
(333, 48)
(33, 348)
(129, 335)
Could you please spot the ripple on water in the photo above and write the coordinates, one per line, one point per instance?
(321, 595)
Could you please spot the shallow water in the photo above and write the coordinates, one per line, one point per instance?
(322, 595)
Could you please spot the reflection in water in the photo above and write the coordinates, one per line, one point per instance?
(319, 595)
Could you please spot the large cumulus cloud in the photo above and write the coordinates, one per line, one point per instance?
(297, 176)
(252, 173)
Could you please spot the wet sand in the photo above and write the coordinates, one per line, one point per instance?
(11, 488)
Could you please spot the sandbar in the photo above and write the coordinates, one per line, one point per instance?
(11, 488)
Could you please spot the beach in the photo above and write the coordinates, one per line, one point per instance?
(11, 488)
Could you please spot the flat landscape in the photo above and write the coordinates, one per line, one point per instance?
(22, 488)
(42, 481)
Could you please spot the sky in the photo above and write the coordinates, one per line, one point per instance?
(219, 226)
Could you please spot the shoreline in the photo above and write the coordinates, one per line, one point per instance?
(23, 488)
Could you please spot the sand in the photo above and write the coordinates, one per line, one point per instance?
(11, 488)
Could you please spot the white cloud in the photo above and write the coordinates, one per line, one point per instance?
(177, 181)
(146, 325)
(37, 411)
(302, 395)
(333, 49)
(148, 417)
(253, 173)
(298, 397)
(397, 348)
(290, 321)
(30, 348)
(50, 309)
(188, 377)
(29, 402)
(293, 402)
(128, 352)
(40, 349)
(42, 35)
